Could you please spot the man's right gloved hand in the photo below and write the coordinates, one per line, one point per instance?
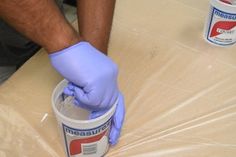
(117, 119)
(93, 82)
(92, 72)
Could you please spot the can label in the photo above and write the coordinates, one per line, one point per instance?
(87, 142)
(222, 27)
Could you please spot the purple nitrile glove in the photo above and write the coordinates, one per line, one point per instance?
(91, 71)
(117, 119)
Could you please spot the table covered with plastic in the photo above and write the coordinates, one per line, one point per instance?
(180, 91)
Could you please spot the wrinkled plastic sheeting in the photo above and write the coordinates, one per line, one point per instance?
(18, 138)
(180, 91)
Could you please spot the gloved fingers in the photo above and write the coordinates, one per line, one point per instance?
(114, 97)
(117, 121)
(70, 85)
(113, 136)
(80, 104)
(81, 95)
(91, 99)
(68, 91)
(96, 114)
(109, 99)
(119, 113)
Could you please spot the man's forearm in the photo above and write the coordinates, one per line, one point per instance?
(95, 20)
(41, 21)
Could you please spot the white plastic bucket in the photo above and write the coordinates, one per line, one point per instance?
(220, 27)
(82, 138)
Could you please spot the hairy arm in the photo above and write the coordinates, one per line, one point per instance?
(95, 20)
(41, 21)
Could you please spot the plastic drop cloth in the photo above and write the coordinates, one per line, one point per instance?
(180, 91)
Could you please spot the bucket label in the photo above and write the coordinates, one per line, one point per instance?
(88, 142)
(222, 27)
